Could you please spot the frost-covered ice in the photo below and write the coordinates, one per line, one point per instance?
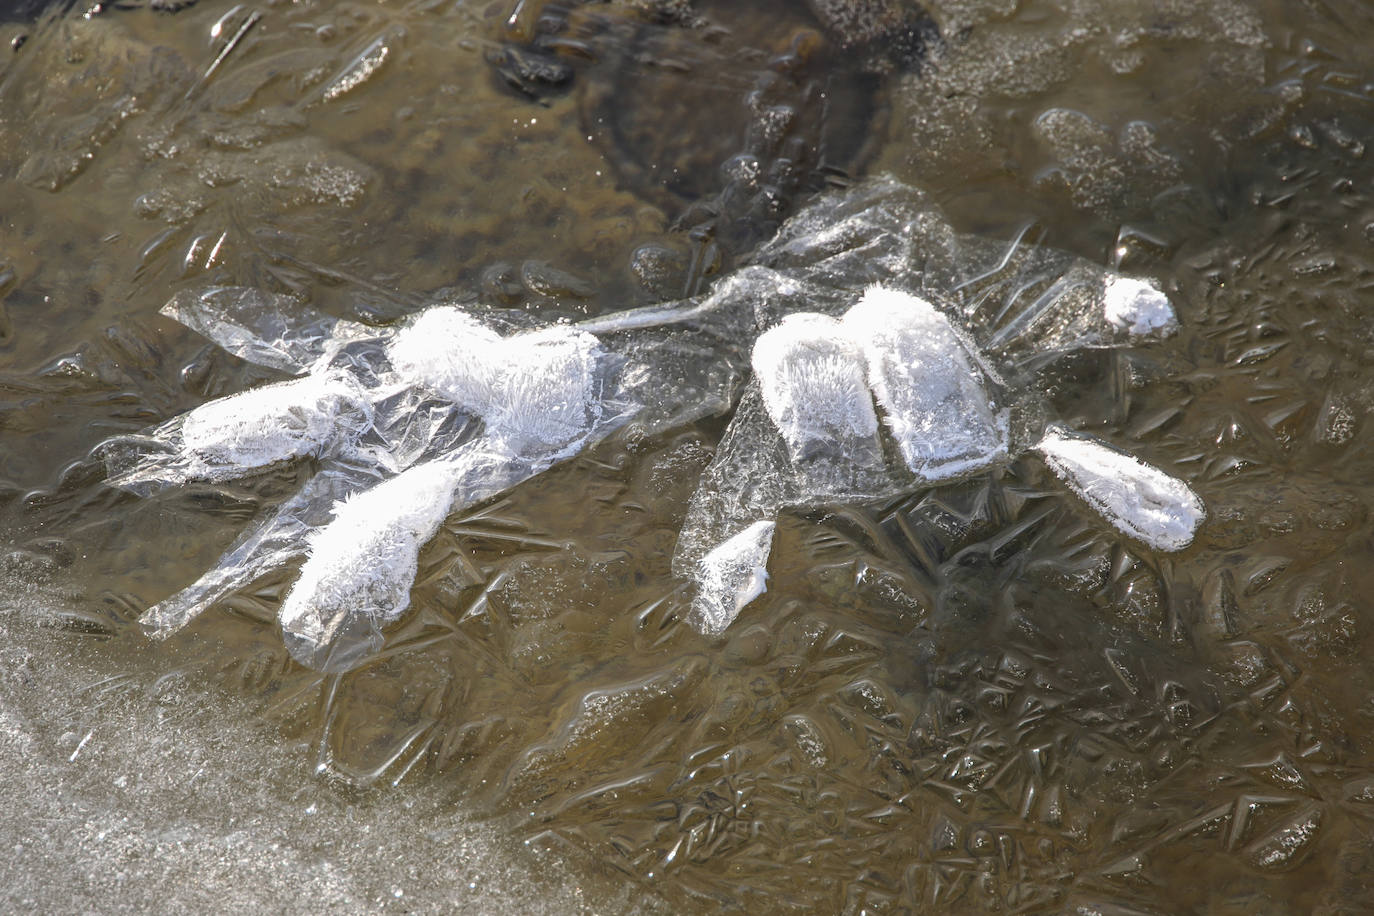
(1139, 499)
(731, 576)
(935, 400)
(930, 312)
(272, 423)
(865, 295)
(812, 378)
(1137, 306)
(534, 389)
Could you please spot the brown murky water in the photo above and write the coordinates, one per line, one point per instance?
(977, 698)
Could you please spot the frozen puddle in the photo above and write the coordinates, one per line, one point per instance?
(861, 391)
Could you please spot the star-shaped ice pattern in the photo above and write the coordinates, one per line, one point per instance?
(871, 329)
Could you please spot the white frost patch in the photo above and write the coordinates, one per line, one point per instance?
(931, 391)
(449, 352)
(812, 379)
(536, 391)
(273, 423)
(362, 565)
(731, 576)
(1138, 499)
(547, 388)
(1137, 307)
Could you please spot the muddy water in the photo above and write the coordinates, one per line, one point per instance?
(975, 698)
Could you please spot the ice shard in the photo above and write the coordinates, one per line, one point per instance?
(730, 576)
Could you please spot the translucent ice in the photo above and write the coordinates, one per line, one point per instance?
(1137, 498)
(814, 389)
(731, 576)
(934, 395)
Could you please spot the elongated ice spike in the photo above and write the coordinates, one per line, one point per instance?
(1136, 498)
(278, 540)
(930, 387)
(362, 564)
(361, 567)
(730, 576)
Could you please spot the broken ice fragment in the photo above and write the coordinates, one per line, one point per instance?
(731, 576)
(812, 380)
(930, 385)
(1138, 499)
(273, 423)
(1137, 307)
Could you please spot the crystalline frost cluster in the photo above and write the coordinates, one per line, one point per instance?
(857, 351)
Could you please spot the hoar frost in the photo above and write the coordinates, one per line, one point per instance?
(870, 328)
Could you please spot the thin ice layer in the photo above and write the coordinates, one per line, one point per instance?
(731, 576)
(812, 380)
(1136, 498)
(933, 394)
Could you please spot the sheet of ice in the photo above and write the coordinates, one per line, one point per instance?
(812, 378)
(1137, 307)
(1137, 498)
(934, 395)
(731, 576)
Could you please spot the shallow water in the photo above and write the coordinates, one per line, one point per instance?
(975, 697)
